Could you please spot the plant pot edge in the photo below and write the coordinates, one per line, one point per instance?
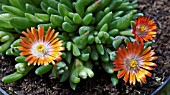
(2, 92)
(163, 89)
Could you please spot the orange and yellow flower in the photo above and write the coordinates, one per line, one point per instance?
(134, 62)
(144, 29)
(39, 48)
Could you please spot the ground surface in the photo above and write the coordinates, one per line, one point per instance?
(100, 84)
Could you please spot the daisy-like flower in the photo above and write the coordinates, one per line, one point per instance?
(144, 29)
(39, 48)
(134, 62)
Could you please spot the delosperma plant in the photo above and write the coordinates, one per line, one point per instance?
(68, 38)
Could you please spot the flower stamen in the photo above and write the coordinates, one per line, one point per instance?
(133, 63)
(142, 28)
(40, 47)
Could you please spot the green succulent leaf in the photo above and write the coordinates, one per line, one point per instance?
(114, 79)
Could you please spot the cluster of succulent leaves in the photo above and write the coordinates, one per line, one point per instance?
(92, 31)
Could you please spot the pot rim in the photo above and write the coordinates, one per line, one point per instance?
(160, 87)
(3, 92)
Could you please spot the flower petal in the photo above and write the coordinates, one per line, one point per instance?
(121, 73)
(41, 33)
(33, 30)
(146, 72)
(147, 67)
(149, 54)
(149, 64)
(126, 77)
(146, 51)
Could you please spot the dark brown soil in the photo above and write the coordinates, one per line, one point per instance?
(100, 84)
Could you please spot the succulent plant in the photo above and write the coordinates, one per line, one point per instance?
(92, 31)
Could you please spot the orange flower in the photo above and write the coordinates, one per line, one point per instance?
(41, 49)
(144, 29)
(134, 62)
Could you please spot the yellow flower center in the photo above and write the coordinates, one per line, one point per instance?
(40, 47)
(142, 28)
(133, 63)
